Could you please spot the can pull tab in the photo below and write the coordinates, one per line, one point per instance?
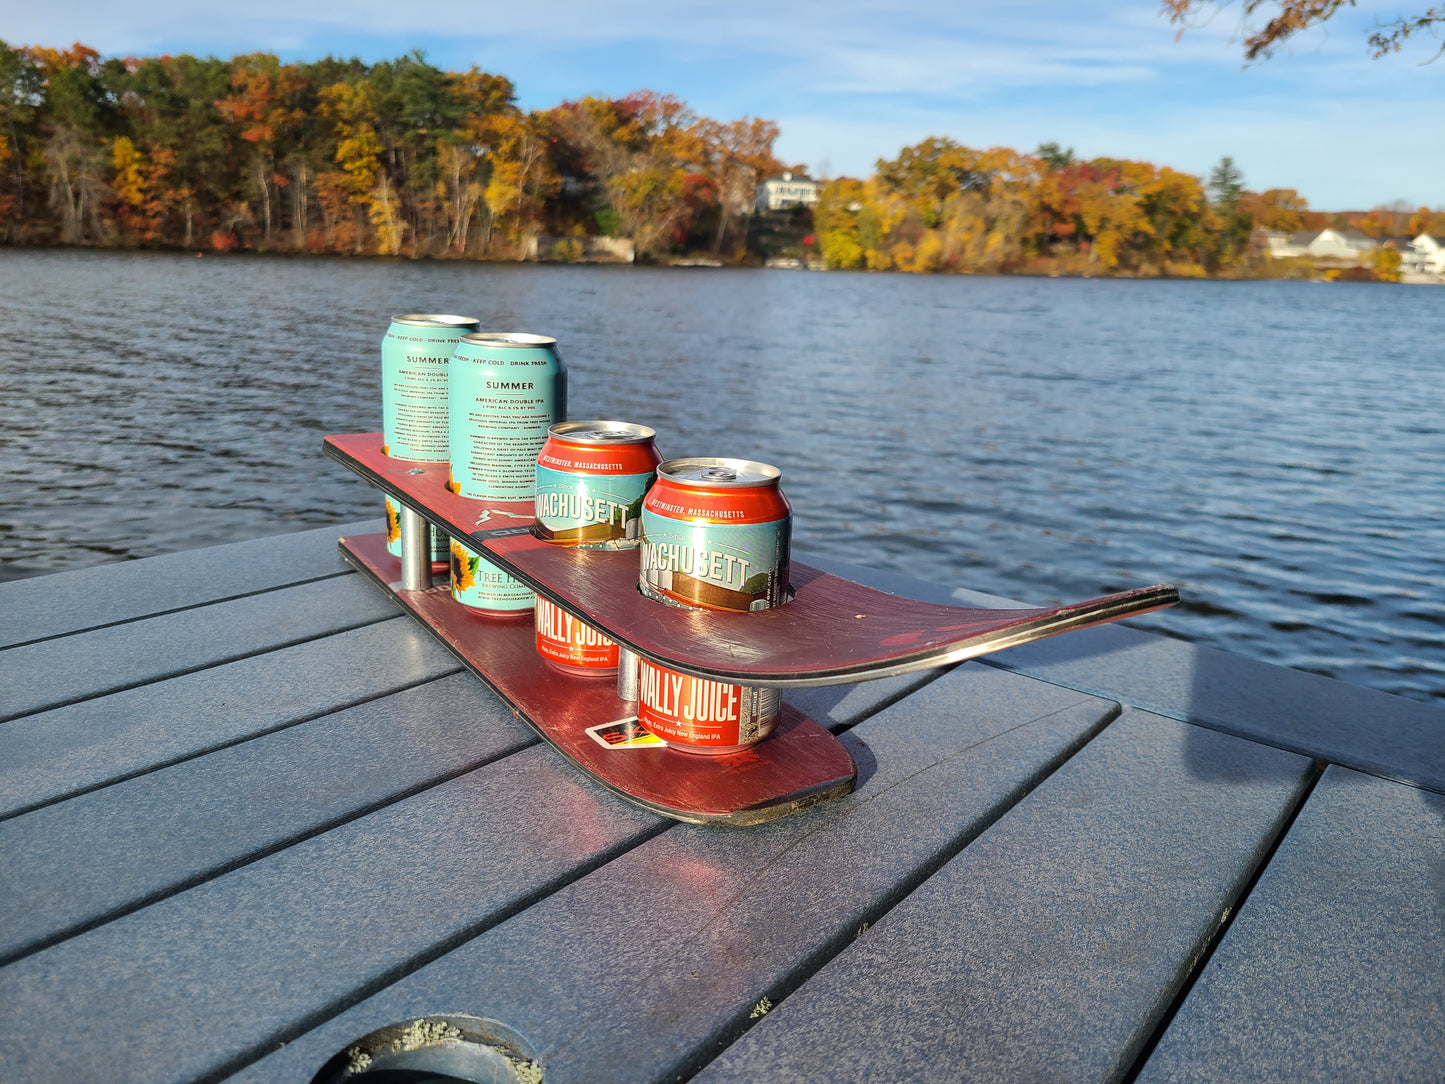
(603, 434)
(720, 474)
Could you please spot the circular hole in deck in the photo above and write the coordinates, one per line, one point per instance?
(442, 1049)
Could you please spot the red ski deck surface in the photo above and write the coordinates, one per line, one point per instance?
(832, 632)
(798, 765)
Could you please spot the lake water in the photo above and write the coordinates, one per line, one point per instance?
(1275, 449)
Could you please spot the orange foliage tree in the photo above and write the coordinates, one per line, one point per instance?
(263, 109)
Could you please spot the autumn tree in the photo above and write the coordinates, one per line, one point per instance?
(641, 161)
(1385, 262)
(142, 187)
(464, 152)
(938, 206)
(1275, 209)
(1378, 224)
(22, 92)
(1055, 157)
(78, 117)
(1426, 221)
(360, 182)
(168, 110)
(836, 223)
(414, 104)
(737, 156)
(262, 108)
(522, 178)
(1285, 18)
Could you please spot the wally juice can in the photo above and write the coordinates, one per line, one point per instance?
(439, 539)
(591, 480)
(716, 535)
(416, 355)
(482, 586)
(504, 392)
(570, 645)
(696, 715)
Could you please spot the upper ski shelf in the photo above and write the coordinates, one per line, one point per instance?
(833, 631)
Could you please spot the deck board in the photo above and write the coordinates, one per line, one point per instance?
(723, 916)
(1053, 945)
(41, 607)
(1334, 963)
(69, 750)
(78, 862)
(77, 667)
(209, 977)
(1361, 728)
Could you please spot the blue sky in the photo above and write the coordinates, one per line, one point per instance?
(851, 81)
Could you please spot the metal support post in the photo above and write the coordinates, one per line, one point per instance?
(415, 551)
(627, 662)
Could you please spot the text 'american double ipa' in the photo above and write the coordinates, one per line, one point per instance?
(592, 477)
(504, 392)
(416, 355)
(715, 536)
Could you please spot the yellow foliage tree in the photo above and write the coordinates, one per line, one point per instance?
(1426, 221)
(522, 179)
(836, 225)
(1386, 263)
(140, 186)
(358, 152)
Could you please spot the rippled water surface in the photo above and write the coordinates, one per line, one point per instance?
(1275, 449)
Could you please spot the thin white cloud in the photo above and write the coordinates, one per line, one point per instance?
(945, 67)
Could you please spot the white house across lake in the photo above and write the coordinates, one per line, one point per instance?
(1344, 246)
(786, 192)
(1422, 256)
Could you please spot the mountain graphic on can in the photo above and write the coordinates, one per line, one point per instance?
(592, 477)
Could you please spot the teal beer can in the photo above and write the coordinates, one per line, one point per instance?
(416, 355)
(482, 586)
(439, 539)
(505, 391)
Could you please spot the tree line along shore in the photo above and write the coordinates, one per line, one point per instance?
(401, 158)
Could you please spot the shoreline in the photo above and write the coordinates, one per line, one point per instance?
(695, 262)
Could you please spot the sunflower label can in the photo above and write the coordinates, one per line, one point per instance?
(416, 356)
(440, 549)
(485, 588)
(716, 535)
(592, 477)
(504, 392)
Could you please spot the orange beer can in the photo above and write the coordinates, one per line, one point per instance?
(715, 536)
(592, 477)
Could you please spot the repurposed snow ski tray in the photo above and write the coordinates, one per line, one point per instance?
(833, 631)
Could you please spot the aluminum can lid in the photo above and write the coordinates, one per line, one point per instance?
(601, 432)
(435, 320)
(508, 338)
(705, 472)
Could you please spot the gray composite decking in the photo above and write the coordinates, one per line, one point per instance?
(249, 813)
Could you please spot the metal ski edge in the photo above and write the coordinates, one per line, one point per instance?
(1100, 611)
